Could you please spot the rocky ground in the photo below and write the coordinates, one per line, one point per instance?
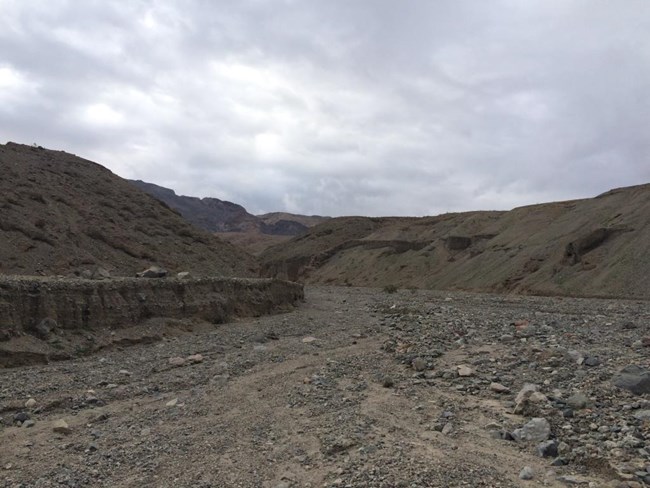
(356, 388)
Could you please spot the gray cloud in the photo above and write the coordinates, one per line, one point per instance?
(371, 107)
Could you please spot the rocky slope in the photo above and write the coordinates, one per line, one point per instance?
(591, 247)
(62, 214)
(216, 215)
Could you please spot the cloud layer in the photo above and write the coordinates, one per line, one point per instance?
(371, 107)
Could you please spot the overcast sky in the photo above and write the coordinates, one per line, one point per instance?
(338, 107)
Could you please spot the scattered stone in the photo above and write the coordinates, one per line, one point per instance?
(547, 449)
(152, 272)
(45, 328)
(387, 382)
(21, 417)
(447, 428)
(172, 403)
(529, 394)
(195, 358)
(419, 364)
(499, 388)
(464, 371)
(591, 361)
(125, 372)
(309, 339)
(643, 415)
(30, 403)
(29, 423)
(578, 401)
(575, 356)
(100, 273)
(559, 461)
(183, 275)
(342, 444)
(536, 430)
(176, 361)
(61, 427)
(633, 378)
(527, 473)
(573, 480)
(526, 391)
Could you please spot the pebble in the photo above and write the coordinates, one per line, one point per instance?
(499, 388)
(195, 358)
(176, 361)
(172, 403)
(419, 364)
(30, 403)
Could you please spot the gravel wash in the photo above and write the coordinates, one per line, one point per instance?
(355, 388)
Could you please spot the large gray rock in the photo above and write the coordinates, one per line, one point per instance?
(633, 378)
(537, 430)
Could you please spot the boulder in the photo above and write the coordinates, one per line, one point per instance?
(633, 378)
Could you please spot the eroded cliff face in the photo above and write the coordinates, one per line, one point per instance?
(37, 315)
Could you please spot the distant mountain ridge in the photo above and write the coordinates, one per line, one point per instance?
(216, 215)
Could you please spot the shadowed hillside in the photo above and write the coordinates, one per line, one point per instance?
(61, 214)
(592, 247)
(216, 215)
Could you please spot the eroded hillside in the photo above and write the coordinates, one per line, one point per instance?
(591, 247)
(62, 214)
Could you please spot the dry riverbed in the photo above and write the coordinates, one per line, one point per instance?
(356, 388)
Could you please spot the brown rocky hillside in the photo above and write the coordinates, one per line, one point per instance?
(216, 215)
(274, 218)
(61, 214)
(592, 247)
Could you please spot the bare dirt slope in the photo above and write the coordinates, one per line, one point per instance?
(592, 247)
(253, 241)
(62, 214)
(306, 220)
(357, 388)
